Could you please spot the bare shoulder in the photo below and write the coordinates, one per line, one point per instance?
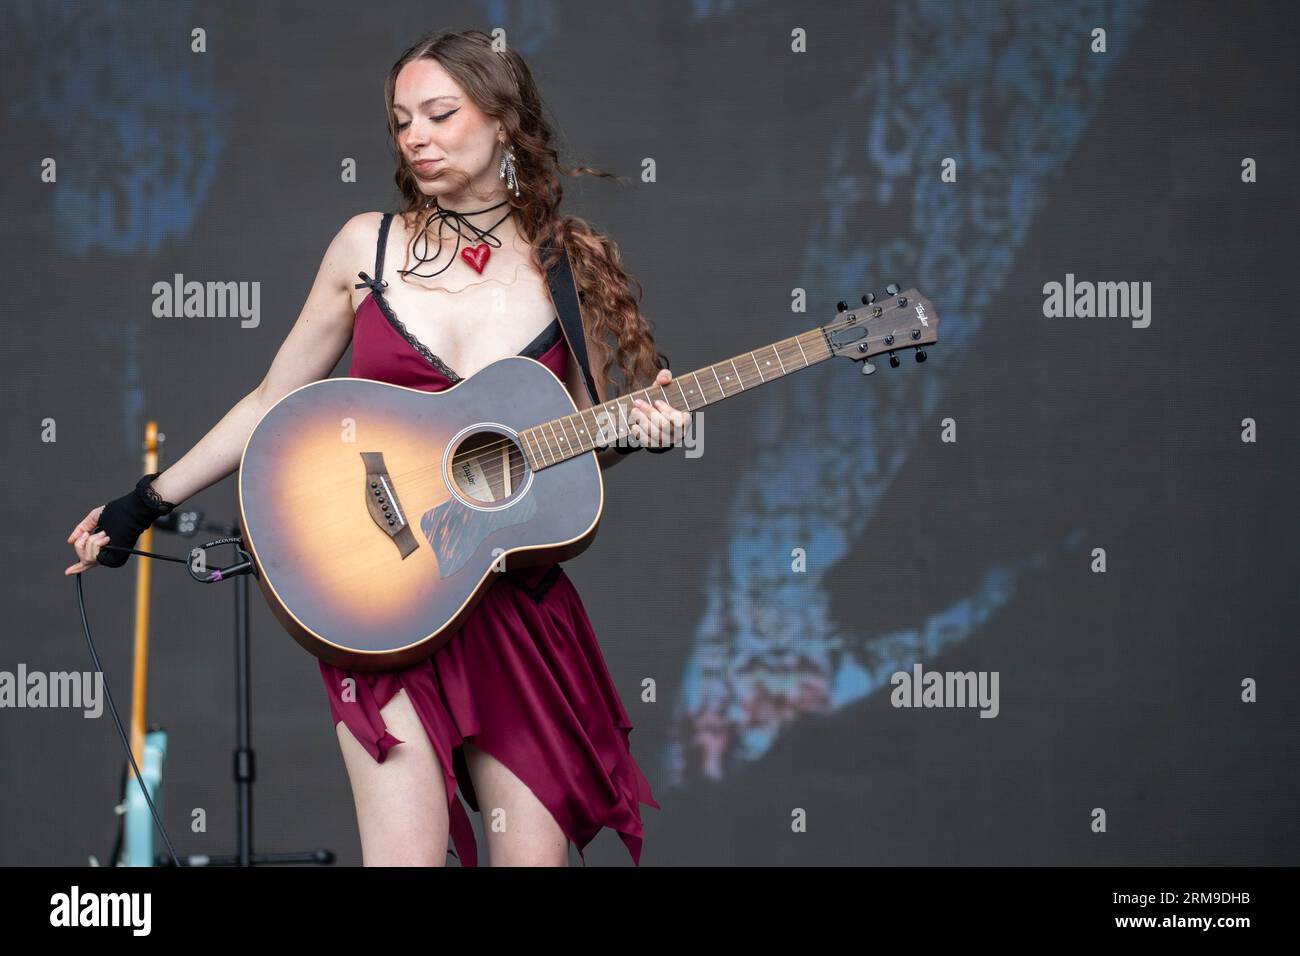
(360, 232)
(351, 249)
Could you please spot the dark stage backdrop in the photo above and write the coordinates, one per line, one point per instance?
(1093, 516)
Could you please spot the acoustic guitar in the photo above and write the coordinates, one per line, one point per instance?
(378, 515)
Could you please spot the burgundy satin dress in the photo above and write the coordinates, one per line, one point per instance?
(523, 679)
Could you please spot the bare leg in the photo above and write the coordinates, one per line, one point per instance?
(520, 830)
(402, 802)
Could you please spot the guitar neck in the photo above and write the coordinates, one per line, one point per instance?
(562, 438)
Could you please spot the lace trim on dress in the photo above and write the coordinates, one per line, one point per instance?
(540, 344)
(416, 344)
(545, 340)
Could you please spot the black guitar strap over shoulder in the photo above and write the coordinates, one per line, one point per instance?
(564, 290)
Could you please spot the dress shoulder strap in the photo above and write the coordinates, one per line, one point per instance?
(377, 284)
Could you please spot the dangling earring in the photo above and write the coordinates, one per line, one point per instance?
(507, 170)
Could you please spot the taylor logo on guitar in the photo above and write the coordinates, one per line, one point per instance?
(377, 514)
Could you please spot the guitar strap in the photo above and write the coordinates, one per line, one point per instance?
(564, 290)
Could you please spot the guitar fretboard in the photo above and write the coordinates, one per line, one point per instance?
(593, 428)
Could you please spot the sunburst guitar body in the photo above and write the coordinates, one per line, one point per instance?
(377, 516)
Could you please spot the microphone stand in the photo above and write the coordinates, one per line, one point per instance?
(186, 524)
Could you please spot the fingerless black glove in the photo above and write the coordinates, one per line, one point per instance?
(126, 518)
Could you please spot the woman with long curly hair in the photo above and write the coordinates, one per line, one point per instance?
(518, 711)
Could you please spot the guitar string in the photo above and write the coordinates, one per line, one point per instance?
(491, 452)
(414, 478)
(747, 380)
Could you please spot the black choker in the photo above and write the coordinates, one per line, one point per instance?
(476, 256)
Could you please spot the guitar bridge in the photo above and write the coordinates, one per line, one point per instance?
(381, 501)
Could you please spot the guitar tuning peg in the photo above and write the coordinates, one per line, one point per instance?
(920, 355)
(869, 298)
(867, 367)
(891, 289)
(893, 360)
(841, 307)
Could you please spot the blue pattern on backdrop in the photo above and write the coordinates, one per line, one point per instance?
(137, 126)
(137, 119)
(1007, 89)
(530, 26)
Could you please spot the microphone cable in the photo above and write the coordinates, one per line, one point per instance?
(212, 577)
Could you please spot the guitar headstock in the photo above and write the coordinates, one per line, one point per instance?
(896, 321)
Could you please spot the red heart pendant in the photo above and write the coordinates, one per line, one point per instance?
(477, 256)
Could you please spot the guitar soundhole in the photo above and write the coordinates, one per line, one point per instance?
(488, 469)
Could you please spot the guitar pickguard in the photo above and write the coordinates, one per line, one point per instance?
(455, 531)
